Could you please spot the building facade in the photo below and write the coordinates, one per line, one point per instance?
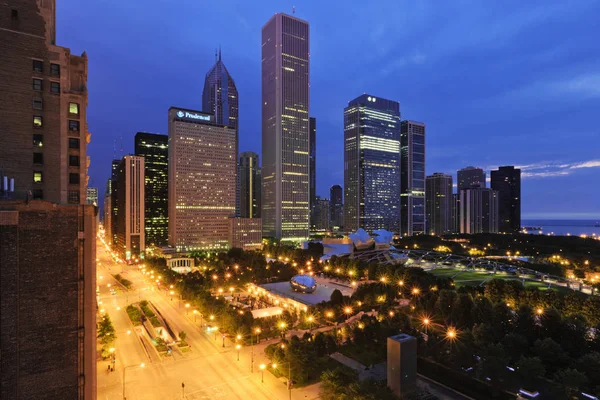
(312, 164)
(114, 204)
(336, 207)
(438, 195)
(478, 211)
(245, 233)
(285, 127)
(47, 245)
(43, 134)
(507, 181)
(321, 217)
(470, 177)
(92, 196)
(48, 297)
(372, 164)
(202, 180)
(412, 197)
(249, 185)
(154, 148)
(130, 231)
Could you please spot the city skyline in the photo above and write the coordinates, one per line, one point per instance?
(461, 131)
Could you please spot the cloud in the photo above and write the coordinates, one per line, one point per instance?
(550, 170)
(416, 59)
(587, 85)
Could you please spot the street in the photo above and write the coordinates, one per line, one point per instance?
(209, 371)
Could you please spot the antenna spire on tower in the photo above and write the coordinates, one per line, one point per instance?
(293, 9)
(219, 52)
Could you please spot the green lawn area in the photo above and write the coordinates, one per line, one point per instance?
(473, 278)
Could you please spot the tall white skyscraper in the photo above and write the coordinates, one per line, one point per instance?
(285, 127)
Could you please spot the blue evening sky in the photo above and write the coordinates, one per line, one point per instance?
(497, 82)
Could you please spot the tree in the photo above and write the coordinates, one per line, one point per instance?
(515, 345)
(494, 290)
(106, 330)
(462, 313)
(591, 310)
(493, 364)
(552, 355)
(483, 335)
(530, 368)
(336, 297)
(570, 379)
(334, 382)
(445, 303)
(590, 365)
(182, 335)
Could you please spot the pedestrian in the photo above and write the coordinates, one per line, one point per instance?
(108, 368)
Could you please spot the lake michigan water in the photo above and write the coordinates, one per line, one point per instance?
(563, 227)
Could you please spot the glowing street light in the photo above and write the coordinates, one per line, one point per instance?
(416, 291)
(347, 311)
(451, 334)
(539, 311)
(262, 372)
(310, 320)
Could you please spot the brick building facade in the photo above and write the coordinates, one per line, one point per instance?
(47, 300)
(43, 130)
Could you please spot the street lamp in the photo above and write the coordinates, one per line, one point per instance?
(187, 308)
(142, 365)
(310, 321)
(257, 331)
(238, 347)
(262, 372)
(289, 377)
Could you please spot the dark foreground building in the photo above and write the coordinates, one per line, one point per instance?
(48, 300)
(507, 181)
(155, 150)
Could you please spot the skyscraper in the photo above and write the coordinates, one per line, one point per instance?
(114, 204)
(250, 185)
(155, 150)
(220, 95)
(92, 196)
(312, 164)
(438, 195)
(285, 127)
(478, 210)
(507, 181)
(220, 98)
(202, 180)
(470, 177)
(372, 164)
(321, 216)
(130, 231)
(412, 198)
(336, 206)
(47, 246)
(43, 107)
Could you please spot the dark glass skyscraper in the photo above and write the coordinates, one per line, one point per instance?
(412, 144)
(114, 204)
(438, 194)
(250, 185)
(507, 181)
(155, 150)
(336, 204)
(470, 177)
(220, 96)
(312, 140)
(372, 164)
(285, 127)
